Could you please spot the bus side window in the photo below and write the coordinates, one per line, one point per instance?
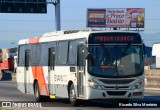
(33, 55)
(38, 54)
(62, 52)
(72, 52)
(21, 55)
(44, 54)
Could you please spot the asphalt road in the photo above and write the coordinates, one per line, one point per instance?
(9, 92)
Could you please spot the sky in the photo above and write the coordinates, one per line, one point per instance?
(14, 27)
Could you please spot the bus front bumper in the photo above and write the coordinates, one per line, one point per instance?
(114, 94)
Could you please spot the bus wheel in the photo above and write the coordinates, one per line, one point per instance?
(72, 96)
(37, 92)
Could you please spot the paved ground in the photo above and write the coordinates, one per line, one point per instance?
(8, 92)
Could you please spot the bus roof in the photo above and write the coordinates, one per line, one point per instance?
(66, 35)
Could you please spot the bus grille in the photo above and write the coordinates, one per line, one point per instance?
(124, 81)
(113, 87)
(116, 93)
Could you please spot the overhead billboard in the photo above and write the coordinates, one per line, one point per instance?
(116, 17)
(23, 6)
(96, 18)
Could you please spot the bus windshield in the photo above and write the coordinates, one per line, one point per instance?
(115, 61)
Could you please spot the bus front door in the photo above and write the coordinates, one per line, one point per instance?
(80, 71)
(51, 61)
(26, 75)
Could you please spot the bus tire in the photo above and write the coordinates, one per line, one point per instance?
(72, 96)
(37, 93)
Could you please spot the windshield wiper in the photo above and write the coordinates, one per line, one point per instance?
(106, 53)
(126, 49)
(123, 53)
(115, 72)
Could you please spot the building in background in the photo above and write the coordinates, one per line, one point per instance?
(156, 54)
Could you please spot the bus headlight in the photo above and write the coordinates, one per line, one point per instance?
(93, 84)
(138, 84)
(141, 82)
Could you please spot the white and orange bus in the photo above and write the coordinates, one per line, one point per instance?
(82, 65)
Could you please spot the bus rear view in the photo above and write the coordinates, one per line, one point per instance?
(115, 66)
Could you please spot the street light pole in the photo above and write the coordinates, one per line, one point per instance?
(57, 15)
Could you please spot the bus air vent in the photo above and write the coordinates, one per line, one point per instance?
(124, 81)
(120, 87)
(116, 93)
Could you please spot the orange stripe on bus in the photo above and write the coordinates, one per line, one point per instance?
(39, 75)
(33, 40)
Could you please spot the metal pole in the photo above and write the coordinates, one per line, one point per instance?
(57, 15)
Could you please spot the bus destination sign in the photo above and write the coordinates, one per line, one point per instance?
(113, 38)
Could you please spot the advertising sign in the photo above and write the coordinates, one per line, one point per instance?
(96, 18)
(116, 17)
(23, 6)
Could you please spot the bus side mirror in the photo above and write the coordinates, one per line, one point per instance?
(85, 52)
(144, 49)
(89, 56)
(90, 59)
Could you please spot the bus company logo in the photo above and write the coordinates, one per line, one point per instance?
(6, 104)
(116, 87)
